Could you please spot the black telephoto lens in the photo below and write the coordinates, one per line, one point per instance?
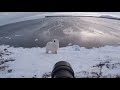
(62, 69)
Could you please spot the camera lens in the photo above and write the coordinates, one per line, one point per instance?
(62, 69)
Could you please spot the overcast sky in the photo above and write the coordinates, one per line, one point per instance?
(10, 17)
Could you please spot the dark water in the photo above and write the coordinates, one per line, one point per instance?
(84, 31)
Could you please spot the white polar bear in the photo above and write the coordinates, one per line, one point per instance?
(52, 46)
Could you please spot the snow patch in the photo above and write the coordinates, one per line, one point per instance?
(8, 37)
(36, 39)
(17, 35)
(35, 63)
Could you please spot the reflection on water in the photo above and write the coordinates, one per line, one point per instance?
(88, 39)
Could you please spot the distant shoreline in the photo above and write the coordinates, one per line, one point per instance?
(102, 16)
(70, 16)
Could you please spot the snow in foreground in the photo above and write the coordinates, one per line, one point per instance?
(35, 63)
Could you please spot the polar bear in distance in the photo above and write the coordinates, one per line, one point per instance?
(52, 46)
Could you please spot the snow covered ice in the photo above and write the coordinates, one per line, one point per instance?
(34, 62)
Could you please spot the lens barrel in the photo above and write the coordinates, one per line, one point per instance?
(62, 69)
